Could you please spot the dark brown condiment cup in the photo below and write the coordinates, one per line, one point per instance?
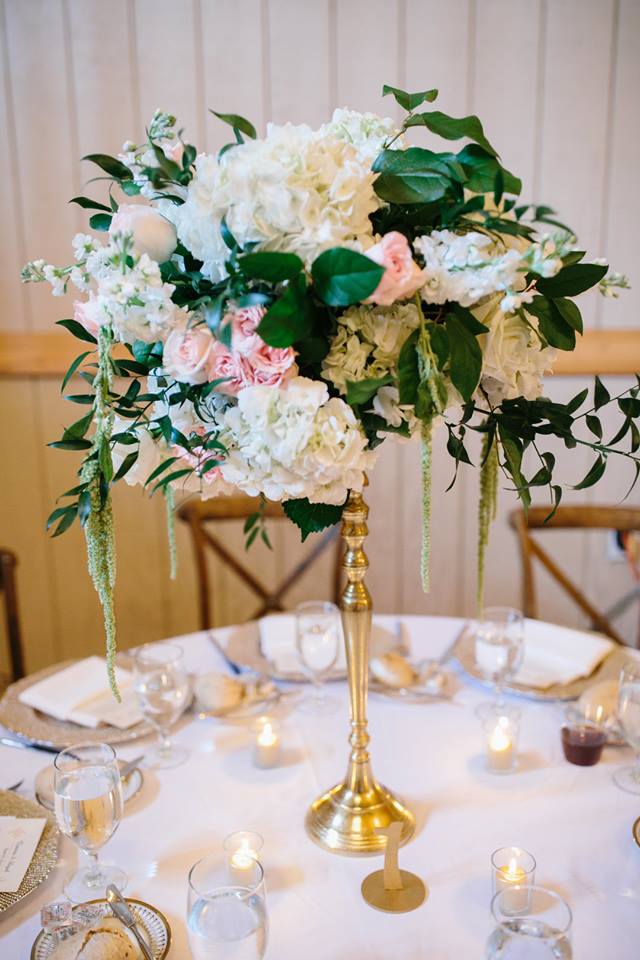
(582, 743)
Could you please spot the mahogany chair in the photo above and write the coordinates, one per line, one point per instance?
(8, 562)
(202, 516)
(622, 519)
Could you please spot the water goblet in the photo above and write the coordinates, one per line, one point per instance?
(629, 718)
(162, 688)
(499, 646)
(317, 639)
(88, 808)
(537, 931)
(226, 913)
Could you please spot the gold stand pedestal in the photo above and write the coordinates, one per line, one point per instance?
(346, 818)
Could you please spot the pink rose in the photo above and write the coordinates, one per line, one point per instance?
(244, 323)
(87, 312)
(402, 276)
(235, 370)
(174, 151)
(152, 233)
(262, 364)
(187, 353)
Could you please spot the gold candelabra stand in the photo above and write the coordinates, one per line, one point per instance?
(346, 818)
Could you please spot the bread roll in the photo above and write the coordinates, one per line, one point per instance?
(392, 669)
(217, 691)
(105, 939)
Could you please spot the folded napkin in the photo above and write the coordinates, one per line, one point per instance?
(278, 643)
(81, 693)
(554, 654)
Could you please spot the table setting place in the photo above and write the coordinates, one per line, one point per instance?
(171, 824)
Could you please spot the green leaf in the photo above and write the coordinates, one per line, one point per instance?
(408, 370)
(110, 165)
(288, 319)
(237, 122)
(512, 449)
(572, 280)
(498, 186)
(569, 312)
(593, 423)
(100, 221)
(363, 390)
(71, 444)
(79, 428)
(576, 402)
(72, 369)
(88, 204)
(601, 395)
(77, 330)
(593, 475)
(105, 460)
(553, 326)
(409, 101)
(452, 128)
(343, 277)
(57, 513)
(82, 398)
(126, 465)
(411, 176)
(130, 188)
(481, 169)
(171, 477)
(66, 521)
(465, 356)
(84, 507)
(630, 406)
(271, 266)
(312, 517)
(160, 469)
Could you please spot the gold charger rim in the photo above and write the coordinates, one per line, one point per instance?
(45, 856)
(34, 727)
(104, 901)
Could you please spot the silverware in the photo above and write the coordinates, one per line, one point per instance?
(233, 666)
(27, 745)
(127, 768)
(120, 909)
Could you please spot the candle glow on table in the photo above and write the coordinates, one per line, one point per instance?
(266, 752)
(501, 727)
(501, 746)
(243, 848)
(513, 873)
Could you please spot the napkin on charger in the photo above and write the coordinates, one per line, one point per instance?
(80, 693)
(558, 655)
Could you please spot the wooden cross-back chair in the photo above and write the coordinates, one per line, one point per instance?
(8, 590)
(201, 515)
(566, 518)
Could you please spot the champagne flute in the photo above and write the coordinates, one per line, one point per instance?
(317, 638)
(629, 717)
(162, 688)
(88, 808)
(227, 910)
(499, 646)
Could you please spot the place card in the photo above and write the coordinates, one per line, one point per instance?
(19, 837)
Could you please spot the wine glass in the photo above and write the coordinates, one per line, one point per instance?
(499, 646)
(88, 807)
(629, 717)
(227, 910)
(532, 923)
(317, 638)
(162, 687)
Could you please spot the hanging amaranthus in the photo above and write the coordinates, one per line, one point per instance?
(170, 503)
(425, 554)
(487, 505)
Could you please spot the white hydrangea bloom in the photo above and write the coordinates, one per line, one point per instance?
(295, 190)
(367, 132)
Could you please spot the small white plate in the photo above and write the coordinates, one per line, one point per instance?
(44, 786)
(258, 693)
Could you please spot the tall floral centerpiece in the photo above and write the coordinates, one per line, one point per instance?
(262, 319)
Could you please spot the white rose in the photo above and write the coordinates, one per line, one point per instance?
(187, 354)
(152, 233)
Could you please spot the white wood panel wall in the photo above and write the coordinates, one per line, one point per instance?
(555, 82)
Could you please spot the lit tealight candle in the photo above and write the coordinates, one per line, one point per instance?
(266, 752)
(501, 747)
(513, 872)
(243, 848)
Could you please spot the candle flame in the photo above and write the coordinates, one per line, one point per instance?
(500, 739)
(244, 856)
(267, 735)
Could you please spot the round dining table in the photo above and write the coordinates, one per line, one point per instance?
(574, 820)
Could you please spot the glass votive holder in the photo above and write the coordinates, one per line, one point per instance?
(583, 735)
(512, 873)
(541, 929)
(266, 749)
(502, 727)
(243, 852)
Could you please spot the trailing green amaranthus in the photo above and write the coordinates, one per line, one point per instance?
(425, 555)
(487, 505)
(169, 499)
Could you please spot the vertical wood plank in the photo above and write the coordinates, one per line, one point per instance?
(299, 50)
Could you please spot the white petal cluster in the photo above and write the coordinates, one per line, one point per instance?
(367, 132)
(293, 441)
(296, 190)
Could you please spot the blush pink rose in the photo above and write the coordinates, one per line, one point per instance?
(187, 353)
(402, 276)
(87, 313)
(233, 368)
(262, 364)
(174, 151)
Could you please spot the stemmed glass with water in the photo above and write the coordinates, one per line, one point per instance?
(317, 641)
(162, 688)
(88, 807)
(499, 646)
(629, 718)
(226, 910)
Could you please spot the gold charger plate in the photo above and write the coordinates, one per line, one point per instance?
(46, 853)
(153, 925)
(608, 669)
(36, 727)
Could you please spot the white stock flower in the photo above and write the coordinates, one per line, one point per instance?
(367, 132)
(464, 268)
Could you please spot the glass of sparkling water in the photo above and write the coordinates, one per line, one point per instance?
(317, 640)
(628, 778)
(88, 807)
(162, 688)
(499, 646)
(226, 910)
(540, 931)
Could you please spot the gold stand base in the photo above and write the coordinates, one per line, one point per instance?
(344, 820)
(412, 895)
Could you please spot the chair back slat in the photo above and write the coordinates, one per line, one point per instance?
(8, 562)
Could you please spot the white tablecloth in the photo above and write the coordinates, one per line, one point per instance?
(574, 820)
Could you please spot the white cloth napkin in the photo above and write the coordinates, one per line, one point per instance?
(554, 654)
(81, 693)
(278, 643)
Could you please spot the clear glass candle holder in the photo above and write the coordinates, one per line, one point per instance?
(541, 929)
(266, 749)
(243, 851)
(501, 726)
(512, 873)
